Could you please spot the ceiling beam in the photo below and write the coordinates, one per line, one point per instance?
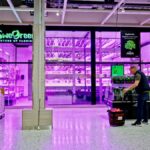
(14, 11)
(145, 21)
(54, 10)
(76, 24)
(112, 12)
(128, 12)
(17, 9)
(64, 11)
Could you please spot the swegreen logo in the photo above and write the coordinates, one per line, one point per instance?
(16, 35)
(130, 45)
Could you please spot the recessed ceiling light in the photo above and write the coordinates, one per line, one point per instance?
(122, 10)
(57, 14)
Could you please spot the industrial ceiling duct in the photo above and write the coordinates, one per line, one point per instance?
(29, 3)
(109, 1)
(16, 3)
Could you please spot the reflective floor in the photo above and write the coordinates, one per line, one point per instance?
(74, 129)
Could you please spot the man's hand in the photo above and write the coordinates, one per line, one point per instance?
(125, 90)
(133, 86)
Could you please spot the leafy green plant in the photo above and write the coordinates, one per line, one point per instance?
(130, 45)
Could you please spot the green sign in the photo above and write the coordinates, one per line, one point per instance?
(15, 35)
(117, 70)
(130, 44)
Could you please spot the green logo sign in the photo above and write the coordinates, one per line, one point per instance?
(15, 36)
(130, 45)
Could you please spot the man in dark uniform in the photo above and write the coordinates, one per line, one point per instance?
(142, 88)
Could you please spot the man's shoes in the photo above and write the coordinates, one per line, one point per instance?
(137, 124)
(145, 122)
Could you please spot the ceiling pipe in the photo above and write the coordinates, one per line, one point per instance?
(14, 11)
(112, 12)
(145, 21)
(64, 11)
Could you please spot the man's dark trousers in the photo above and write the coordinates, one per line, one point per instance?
(142, 108)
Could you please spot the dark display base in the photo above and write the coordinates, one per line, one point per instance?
(128, 106)
(9, 102)
(2, 116)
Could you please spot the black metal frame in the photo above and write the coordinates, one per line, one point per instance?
(93, 63)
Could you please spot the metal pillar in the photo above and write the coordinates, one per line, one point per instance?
(74, 73)
(100, 71)
(93, 68)
(38, 117)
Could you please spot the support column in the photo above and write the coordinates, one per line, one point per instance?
(100, 71)
(74, 73)
(93, 68)
(38, 117)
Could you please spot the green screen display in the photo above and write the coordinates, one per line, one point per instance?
(117, 70)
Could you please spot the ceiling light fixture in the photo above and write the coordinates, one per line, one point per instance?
(57, 14)
(122, 10)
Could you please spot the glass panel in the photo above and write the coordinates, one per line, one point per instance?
(103, 80)
(108, 48)
(67, 46)
(17, 83)
(24, 54)
(146, 69)
(59, 84)
(67, 68)
(7, 52)
(82, 87)
(15, 52)
(67, 84)
(16, 78)
(145, 47)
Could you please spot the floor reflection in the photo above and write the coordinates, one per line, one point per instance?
(74, 129)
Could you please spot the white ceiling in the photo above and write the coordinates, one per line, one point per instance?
(81, 17)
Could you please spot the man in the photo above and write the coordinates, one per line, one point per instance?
(142, 88)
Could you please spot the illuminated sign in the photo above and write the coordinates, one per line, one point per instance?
(16, 34)
(117, 70)
(130, 44)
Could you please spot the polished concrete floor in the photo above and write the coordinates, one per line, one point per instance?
(74, 129)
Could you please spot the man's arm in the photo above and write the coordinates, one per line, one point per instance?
(134, 85)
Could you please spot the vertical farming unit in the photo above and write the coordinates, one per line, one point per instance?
(68, 79)
(7, 78)
(108, 53)
(14, 75)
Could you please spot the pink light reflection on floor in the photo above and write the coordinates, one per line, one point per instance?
(74, 129)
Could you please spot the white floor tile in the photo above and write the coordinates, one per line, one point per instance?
(74, 129)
